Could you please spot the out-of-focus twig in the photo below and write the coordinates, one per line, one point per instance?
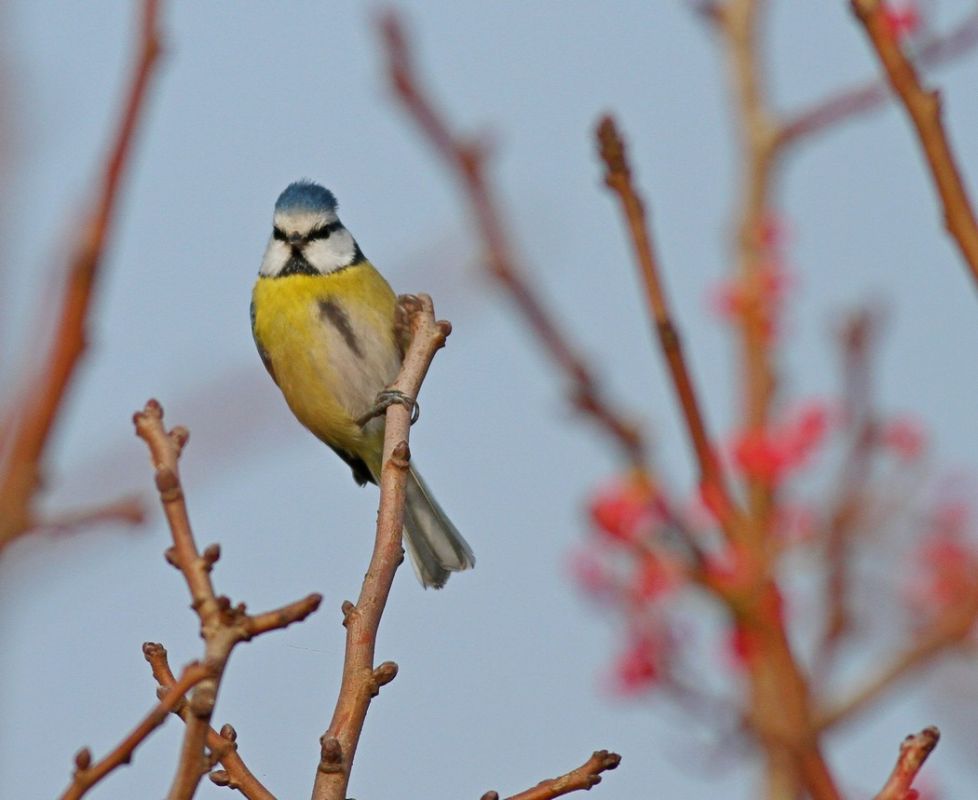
(584, 777)
(914, 751)
(780, 705)
(757, 131)
(618, 177)
(361, 679)
(28, 425)
(222, 626)
(222, 745)
(847, 508)
(951, 630)
(127, 510)
(88, 774)
(847, 103)
(466, 158)
(924, 109)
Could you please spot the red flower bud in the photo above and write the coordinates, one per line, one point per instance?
(624, 510)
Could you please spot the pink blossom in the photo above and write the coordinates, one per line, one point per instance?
(946, 563)
(638, 667)
(903, 20)
(741, 645)
(624, 510)
(591, 574)
(904, 437)
(769, 454)
(655, 576)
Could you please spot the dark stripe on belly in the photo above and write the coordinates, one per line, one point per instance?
(333, 313)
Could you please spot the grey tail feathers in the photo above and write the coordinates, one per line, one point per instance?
(437, 549)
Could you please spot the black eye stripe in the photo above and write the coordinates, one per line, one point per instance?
(319, 233)
(324, 232)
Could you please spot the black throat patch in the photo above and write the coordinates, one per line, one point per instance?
(296, 265)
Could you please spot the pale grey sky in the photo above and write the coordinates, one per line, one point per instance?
(500, 682)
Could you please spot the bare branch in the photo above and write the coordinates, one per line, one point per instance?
(361, 679)
(88, 774)
(222, 625)
(584, 777)
(780, 706)
(222, 745)
(28, 427)
(914, 751)
(953, 630)
(466, 159)
(126, 510)
(847, 508)
(848, 103)
(618, 177)
(924, 109)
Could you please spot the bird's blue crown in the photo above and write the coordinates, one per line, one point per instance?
(305, 196)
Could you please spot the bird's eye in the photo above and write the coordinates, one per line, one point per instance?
(279, 234)
(320, 233)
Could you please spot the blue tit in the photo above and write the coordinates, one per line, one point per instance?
(324, 322)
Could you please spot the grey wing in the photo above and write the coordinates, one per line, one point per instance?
(261, 350)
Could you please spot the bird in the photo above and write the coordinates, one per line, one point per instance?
(325, 324)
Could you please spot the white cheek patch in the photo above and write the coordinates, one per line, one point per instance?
(276, 257)
(336, 252)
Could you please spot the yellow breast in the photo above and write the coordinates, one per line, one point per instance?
(330, 344)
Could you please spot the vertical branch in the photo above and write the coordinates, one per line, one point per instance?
(32, 423)
(758, 133)
(618, 177)
(848, 504)
(924, 110)
(361, 680)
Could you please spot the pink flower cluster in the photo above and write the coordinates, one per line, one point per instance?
(627, 565)
(946, 562)
(733, 300)
(770, 454)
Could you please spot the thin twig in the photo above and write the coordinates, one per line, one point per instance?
(222, 626)
(847, 103)
(618, 177)
(847, 508)
(361, 679)
(924, 109)
(88, 774)
(466, 159)
(953, 630)
(582, 778)
(757, 130)
(127, 510)
(914, 751)
(222, 745)
(29, 427)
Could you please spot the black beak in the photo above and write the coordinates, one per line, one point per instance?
(295, 239)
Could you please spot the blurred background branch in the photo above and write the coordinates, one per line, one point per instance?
(26, 426)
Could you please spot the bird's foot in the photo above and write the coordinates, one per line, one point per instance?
(385, 400)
